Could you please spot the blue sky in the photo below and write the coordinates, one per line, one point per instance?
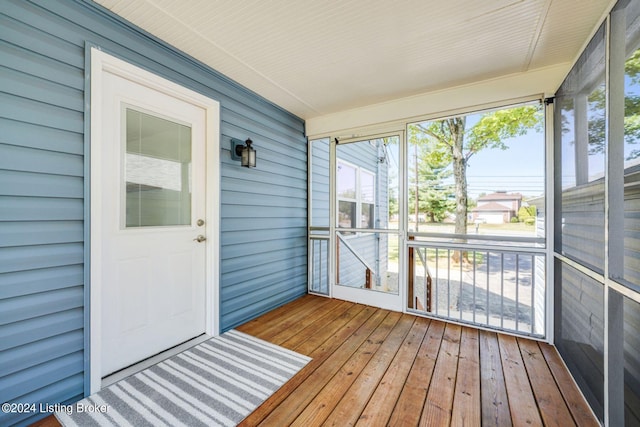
(520, 168)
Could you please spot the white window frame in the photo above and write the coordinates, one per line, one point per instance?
(358, 199)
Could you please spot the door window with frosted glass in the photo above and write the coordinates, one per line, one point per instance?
(157, 171)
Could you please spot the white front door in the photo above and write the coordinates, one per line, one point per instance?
(153, 226)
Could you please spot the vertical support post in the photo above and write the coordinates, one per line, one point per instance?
(367, 279)
(502, 290)
(337, 260)
(518, 290)
(429, 295)
(487, 308)
(411, 277)
(614, 217)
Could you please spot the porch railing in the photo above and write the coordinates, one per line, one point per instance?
(499, 288)
(319, 264)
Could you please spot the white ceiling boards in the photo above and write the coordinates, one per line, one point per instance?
(316, 58)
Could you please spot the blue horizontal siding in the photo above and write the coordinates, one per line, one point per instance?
(259, 272)
(33, 64)
(37, 160)
(272, 223)
(40, 233)
(31, 38)
(36, 257)
(42, 179)
(30, 306)
(38, 328)
(257, 249)
(40, 209)
(23, 357)
(41, 280)
(38, 89)
(27, 135)
(21, 109)
(63, 391)
(267, 236)
(32, 184)
(242, 309)
(234, 264)
(42, 375)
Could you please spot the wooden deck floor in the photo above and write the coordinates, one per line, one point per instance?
(374, 367)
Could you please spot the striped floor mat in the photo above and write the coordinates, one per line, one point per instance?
(218, 382)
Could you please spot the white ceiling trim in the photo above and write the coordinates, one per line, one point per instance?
(470, 97)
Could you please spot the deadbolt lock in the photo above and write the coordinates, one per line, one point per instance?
(200, 222)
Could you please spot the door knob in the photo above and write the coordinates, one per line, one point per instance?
(200, 238)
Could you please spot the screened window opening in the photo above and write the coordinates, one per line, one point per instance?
(476, 215)
(581, 126)
(478, 174)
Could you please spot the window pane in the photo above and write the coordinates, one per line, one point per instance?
(367, 186)
(582, 127)
(347, 214)
(482, 173)
(157, 171)
(366, 220)
(346, 185)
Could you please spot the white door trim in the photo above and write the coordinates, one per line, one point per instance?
(102, 62)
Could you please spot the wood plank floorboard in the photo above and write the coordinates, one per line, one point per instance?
(466, 400)
(522, 403)
(374, 367)
(495, 405)
(387, 393)
(409, 406)
(578, 407)
(545, 389)
(437, 408)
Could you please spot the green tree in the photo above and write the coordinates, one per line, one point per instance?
(428, 192)
(455, 143)
(526, 212)
(596, 104)
(434, 195)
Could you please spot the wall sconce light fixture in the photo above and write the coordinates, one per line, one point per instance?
(242, 150)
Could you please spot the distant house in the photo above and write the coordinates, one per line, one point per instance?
(497, 208)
